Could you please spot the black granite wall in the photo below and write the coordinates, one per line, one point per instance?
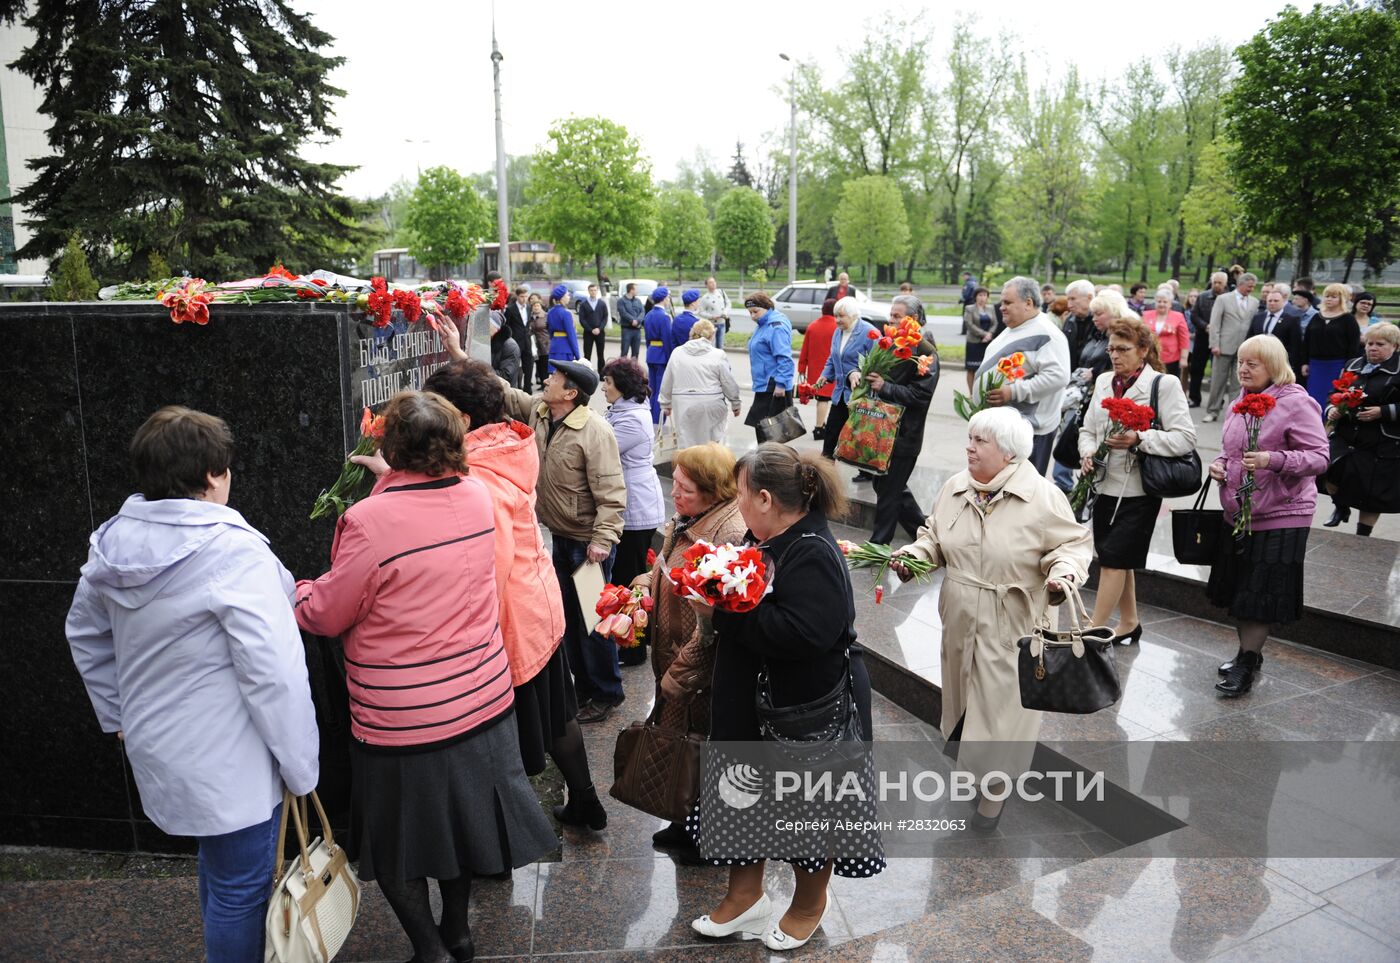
(76, 380)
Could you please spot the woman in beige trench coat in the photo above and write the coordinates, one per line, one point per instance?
(1007, 542)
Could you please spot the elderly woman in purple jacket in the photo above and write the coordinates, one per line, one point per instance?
(1259, 574)
(626, 387)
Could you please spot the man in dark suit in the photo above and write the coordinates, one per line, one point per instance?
(1273, 319)
(1200, 332)
(842, 288)
(593, 317)
(518, 324)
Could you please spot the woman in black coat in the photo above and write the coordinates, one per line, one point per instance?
(1365, 470)
(803, 634)
(895, 504)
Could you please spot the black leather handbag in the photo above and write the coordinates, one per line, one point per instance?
(829, 719)
(1071, 672)
(1168, 476)
(782, 427)
(1066, 450)
(1196, 531)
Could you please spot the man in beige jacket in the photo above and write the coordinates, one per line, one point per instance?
(1229, 326)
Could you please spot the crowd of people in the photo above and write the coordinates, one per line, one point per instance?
(468, 655)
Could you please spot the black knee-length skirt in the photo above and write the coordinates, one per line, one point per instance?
(1259, 577)
(1121, 540)
(544, 705)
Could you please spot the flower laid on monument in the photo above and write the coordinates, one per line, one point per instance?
(188, 301)
(623, 615)
(501, 295)
(355, 481)
(732, 578)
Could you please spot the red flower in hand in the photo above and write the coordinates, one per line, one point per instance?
(886, 343)
(873, 335)
(1347, 379)
(1254, 406)
(651, 557)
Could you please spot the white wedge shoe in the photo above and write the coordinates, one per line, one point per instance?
(749, 925)
(776, 939)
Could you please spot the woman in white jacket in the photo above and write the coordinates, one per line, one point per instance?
(699, 386)
(1124, 514)
(183, 632)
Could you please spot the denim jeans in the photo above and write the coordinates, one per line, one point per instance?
(592, 658)
(720, 328)
(631, 342)
(1064, 478)
(235, 880)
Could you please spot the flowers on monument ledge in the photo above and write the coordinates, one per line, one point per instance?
(188, 302)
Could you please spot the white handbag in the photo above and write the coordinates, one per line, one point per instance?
(315, 897)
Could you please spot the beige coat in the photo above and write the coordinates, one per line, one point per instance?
(995, 568)
(581, 494)
(1177, 436)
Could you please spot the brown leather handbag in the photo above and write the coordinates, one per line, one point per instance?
(657, 769)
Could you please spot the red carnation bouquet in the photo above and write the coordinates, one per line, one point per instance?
(733, 578)
(624, 613)
(1252, 408)
(1123, 416)
(1347, 398)
(355, 481)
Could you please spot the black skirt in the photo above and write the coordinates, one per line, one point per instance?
(1367, 477)
(976, 351)
(1259, 577)
(466, 808)
(1122, 541)
(543, 707)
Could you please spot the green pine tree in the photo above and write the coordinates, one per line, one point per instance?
(72, 278)
(176, 127)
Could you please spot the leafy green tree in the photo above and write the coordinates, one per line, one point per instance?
(177, 127)
(593, 192)
(1313, 122)
(446, 219)
(157, 268)
(72, 278)
(871, 223)
(683, 234)
(1200, 78)
(744, 229)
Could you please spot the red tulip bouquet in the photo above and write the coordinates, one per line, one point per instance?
(1253, 408)
(897, 344)
(732, 578)
(1123, 416)
(624, 615)
(355, 481)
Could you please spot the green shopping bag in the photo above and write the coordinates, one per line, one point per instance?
(867, 439)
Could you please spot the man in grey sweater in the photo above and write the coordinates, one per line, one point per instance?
(1038, 395)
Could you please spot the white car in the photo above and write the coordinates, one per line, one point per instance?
(802, 303)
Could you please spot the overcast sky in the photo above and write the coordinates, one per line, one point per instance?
(420, 70)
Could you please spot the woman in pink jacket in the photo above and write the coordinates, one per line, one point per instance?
(1173, 334)
(438, 790)
(501, 453)
(1259, 575)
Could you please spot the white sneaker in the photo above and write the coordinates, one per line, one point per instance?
(776, 939)
(1208, 418)
(748, 924)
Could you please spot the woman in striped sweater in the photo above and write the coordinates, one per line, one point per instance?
(438, 787)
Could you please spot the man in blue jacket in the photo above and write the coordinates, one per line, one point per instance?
(680, 328)
(659, 347)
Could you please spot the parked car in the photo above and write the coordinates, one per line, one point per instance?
(577, 289)
(644, 288)
(802, 303)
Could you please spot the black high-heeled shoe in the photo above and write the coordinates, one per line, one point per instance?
(1340, 513)
(1130, 638)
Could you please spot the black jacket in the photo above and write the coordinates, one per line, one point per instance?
(505, 357)
(518, 324)
(590, 318)
(1200, 312)
(1289, 330)
(904, 387)
(800, 631)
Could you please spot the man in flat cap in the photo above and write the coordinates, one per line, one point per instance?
(660, 343)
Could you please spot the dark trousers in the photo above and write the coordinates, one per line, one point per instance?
(632, 342)
(1198, 368)
(592, 658)
(894, 502)
(541, 369)
(1173, 368)
(831, 434)
(1041, 448)
(593, 342)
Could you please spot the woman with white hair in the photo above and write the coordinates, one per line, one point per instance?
(698, 389)
(1008, 545)
(851, 341)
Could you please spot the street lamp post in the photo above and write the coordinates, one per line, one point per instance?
(502, 213)
(792, 171)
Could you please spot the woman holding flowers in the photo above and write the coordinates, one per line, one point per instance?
(1365, 421)
(852, 340)
(682, 641)
(910, 383)
(1118, 429)
(801, 634)
(1272, 448)
(1007, 542)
